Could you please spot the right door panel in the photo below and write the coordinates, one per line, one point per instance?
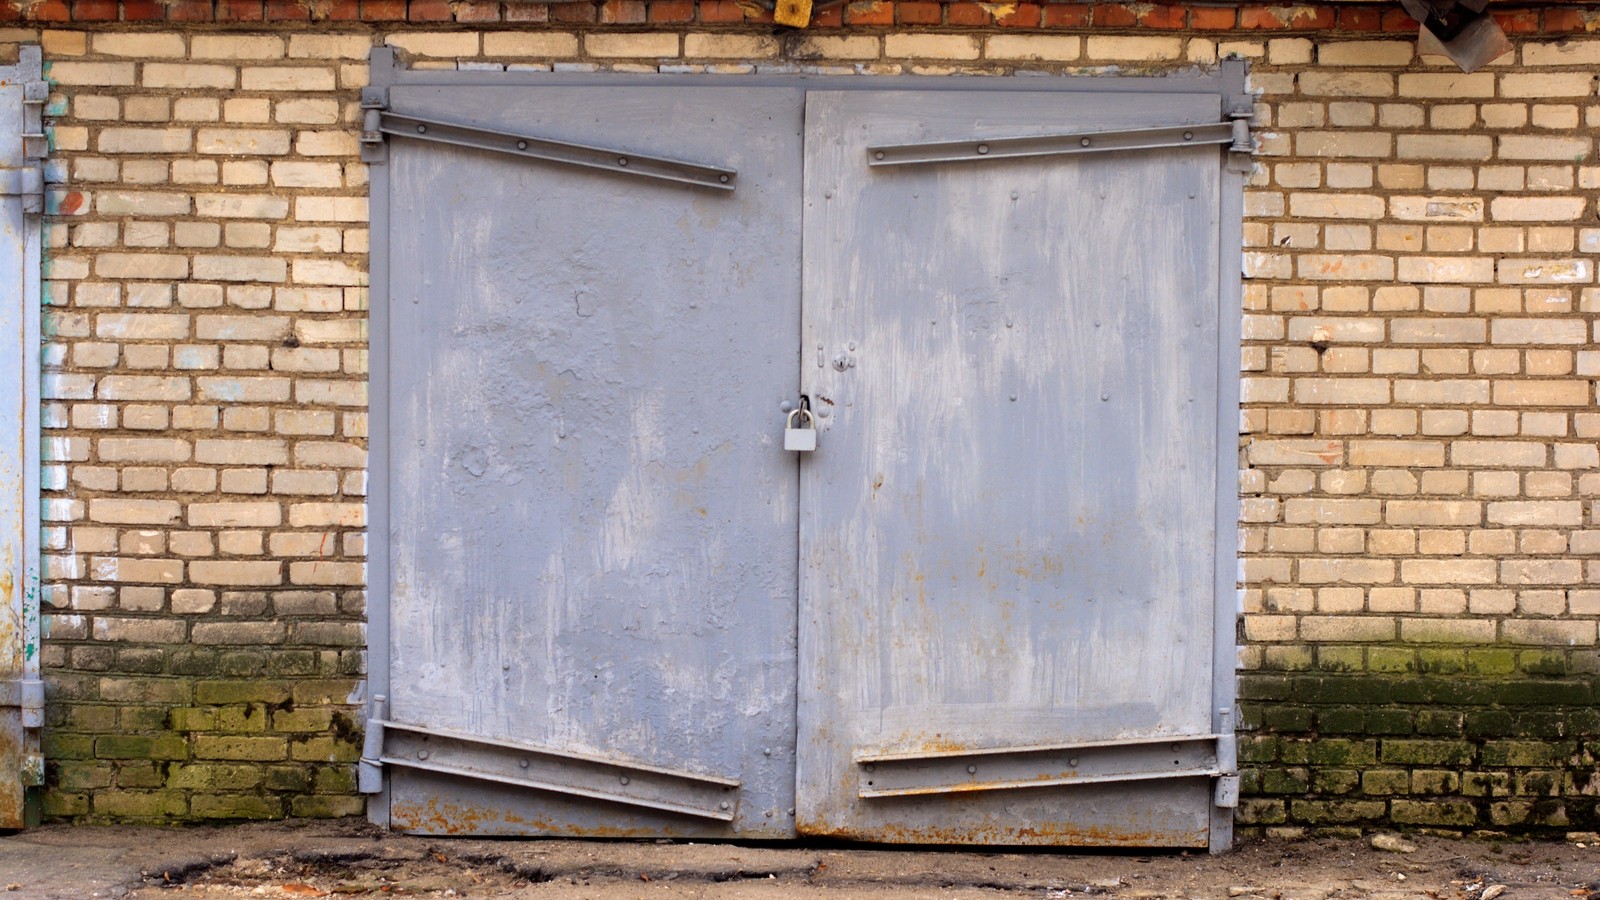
(1008, 529)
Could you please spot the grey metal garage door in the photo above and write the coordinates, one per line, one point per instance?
(993, 606)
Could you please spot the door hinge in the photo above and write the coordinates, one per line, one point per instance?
(374, 100)
(1238, 107)
(26, 694)
(369, 770)
(26, 182)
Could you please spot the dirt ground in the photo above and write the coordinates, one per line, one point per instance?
(322, 859)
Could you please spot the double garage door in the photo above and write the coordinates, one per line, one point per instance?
(993, 606)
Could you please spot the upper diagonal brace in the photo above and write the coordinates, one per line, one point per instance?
(1050, 145)
(615, 161)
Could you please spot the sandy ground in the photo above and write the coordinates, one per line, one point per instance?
(323, 859)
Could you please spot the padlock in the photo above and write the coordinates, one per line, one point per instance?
(802, 439)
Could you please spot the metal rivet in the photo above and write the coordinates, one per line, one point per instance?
(422, 129)
(523, 763)
(869, 767)
(1175, 748)
(983, 148)
(1013, 398)
(878, 155)
(767, 751)
(723, 179)
(722, 805)
(623, 779)
(1073, 762)
(1188, 135)
(622, 160)
(972, 770)
(1084, 142)
(1105, 396)
(422, 754)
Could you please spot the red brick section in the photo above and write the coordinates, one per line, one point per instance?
(1572, 16)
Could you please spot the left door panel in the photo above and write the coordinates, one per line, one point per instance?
(591, 520)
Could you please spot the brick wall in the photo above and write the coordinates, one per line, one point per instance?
(1419, 459)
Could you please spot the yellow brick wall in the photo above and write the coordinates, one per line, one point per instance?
(1418, 456)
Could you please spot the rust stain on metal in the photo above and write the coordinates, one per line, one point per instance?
(435, 817)
(1050, 834)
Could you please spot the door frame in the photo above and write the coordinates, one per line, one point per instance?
(1228, 79)
(21, 303)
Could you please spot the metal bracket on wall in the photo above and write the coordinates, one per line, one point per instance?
(1014, 768)
(380, 122)
(1070, 144)
(537, 768)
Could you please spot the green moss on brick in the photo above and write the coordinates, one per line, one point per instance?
(1285, 781)
(1391, 659)
(325, 806)
(1491, 661)
(1327, 812)
(1336, 752)
(1286, 718)
(141, 746)
(1381, 782)
(1391, 720)
(1441, 661)
(1341, 659)
(1342, 720)
(222, 693)
(1543, 662)
(1335, 781)
(1458, 813)
(236, 806)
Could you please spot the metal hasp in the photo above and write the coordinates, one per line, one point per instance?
(22, 148)
(1070, 144)
(380, 122)
(1013, 768)
(535, 768)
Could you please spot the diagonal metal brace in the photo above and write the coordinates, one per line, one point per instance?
(564, 152)
(1051, 145)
